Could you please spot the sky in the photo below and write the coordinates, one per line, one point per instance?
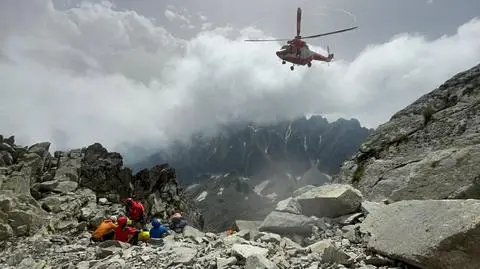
(140, 74)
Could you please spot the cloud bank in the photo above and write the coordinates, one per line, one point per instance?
(92, 73)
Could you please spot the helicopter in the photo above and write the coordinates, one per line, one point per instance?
(296, 51)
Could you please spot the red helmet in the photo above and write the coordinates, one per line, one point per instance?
(122, 221)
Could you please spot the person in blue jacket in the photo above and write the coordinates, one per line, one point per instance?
(158, 230)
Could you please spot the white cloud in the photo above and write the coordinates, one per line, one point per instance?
(94, 74)
(207, 26)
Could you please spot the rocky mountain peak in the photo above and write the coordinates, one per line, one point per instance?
(426, 150)
(263, 150)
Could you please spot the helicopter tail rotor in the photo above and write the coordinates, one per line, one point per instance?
(330, 55)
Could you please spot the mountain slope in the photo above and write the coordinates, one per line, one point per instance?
(429, 150)
(260, 151)
(224, 198)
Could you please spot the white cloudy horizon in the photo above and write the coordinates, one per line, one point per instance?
(93, 73)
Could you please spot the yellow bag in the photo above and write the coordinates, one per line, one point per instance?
(144, 236)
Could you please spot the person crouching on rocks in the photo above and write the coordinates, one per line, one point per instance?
(158, 231)
(177, 223)
(135, 211)
(125, 233)
(106, 230)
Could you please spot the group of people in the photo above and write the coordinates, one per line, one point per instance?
(132, 227)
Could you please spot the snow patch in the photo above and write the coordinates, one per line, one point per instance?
(245, 179)
(220, 191)
(246, 197)
(191, 187)
(289, 132)
(215, 177)
(202, 196)
(272, 196)
(259, 188)
(305, 143)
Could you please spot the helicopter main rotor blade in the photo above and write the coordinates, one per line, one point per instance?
(330, 33)
(265, 40)
(299, 20)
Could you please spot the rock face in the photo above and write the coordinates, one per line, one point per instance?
(428, 234)
(252, 150)
(429, 150)
(72, 191)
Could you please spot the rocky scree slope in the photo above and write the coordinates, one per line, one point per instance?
(330, 226)
(72, 191)
(259, 151)
(428, 150)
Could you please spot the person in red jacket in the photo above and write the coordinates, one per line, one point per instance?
(125, 233)
(135, 211)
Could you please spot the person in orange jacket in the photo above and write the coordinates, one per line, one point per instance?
(106, 230)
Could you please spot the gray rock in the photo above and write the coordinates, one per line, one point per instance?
(289, 205)
(184, 255)
(193, 233)
(368, 206)
(259, 262)
(330, 200)
(18, 182)
(249, 229)
(268, 237)
(5, 231)
(66, 186)
(244, 251)
(327, 252)
(427, 234)
(302, 190)
(287, 223)
(224, 263)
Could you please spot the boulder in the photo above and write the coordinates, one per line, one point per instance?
(427, 233)
(289, 205)
(326, 251)
(259, 262)
(287, 223)
(331, 200)
(248, 228)
(244, 251)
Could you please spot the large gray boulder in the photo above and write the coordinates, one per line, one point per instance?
(285, 223)
(330, 200)
(430, 234)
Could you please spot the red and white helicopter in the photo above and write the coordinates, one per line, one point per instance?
(296, 51)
